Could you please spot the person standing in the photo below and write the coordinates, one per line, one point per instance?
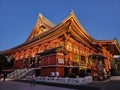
(4, 76)
(33, 81)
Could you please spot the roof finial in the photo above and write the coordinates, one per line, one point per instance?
(40, 15)
(72, 12)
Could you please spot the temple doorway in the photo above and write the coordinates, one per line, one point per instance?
(74, 72)
(66, 71)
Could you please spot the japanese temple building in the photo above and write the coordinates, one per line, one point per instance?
(64, 49)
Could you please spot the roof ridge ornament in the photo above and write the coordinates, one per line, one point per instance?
(72, 11)
(40, 15)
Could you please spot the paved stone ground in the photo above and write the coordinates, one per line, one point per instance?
(12, 85)
(107, 85)
(25, 85)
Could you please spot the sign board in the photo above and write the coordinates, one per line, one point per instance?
(60, 61)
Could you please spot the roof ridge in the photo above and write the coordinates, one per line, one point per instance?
(46, 20)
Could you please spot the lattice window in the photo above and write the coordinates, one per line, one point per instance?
(69, 46)
(76, 50)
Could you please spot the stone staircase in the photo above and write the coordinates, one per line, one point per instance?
(19, 73)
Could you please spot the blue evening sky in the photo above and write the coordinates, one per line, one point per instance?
(100, 18)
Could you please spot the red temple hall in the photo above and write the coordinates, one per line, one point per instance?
(64, 49)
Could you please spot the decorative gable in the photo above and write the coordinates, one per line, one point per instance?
(42, 25)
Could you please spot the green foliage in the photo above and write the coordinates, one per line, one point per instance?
(4, 63)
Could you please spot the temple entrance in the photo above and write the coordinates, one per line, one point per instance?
(66, 72)
(37, 72)
(75, 71)
(71, 72)
(82, 73)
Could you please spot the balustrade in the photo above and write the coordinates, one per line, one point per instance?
(70, 81)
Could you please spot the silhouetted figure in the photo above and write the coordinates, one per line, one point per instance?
(33, 81)
(4, 77)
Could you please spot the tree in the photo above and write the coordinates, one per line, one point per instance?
(4, 62)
